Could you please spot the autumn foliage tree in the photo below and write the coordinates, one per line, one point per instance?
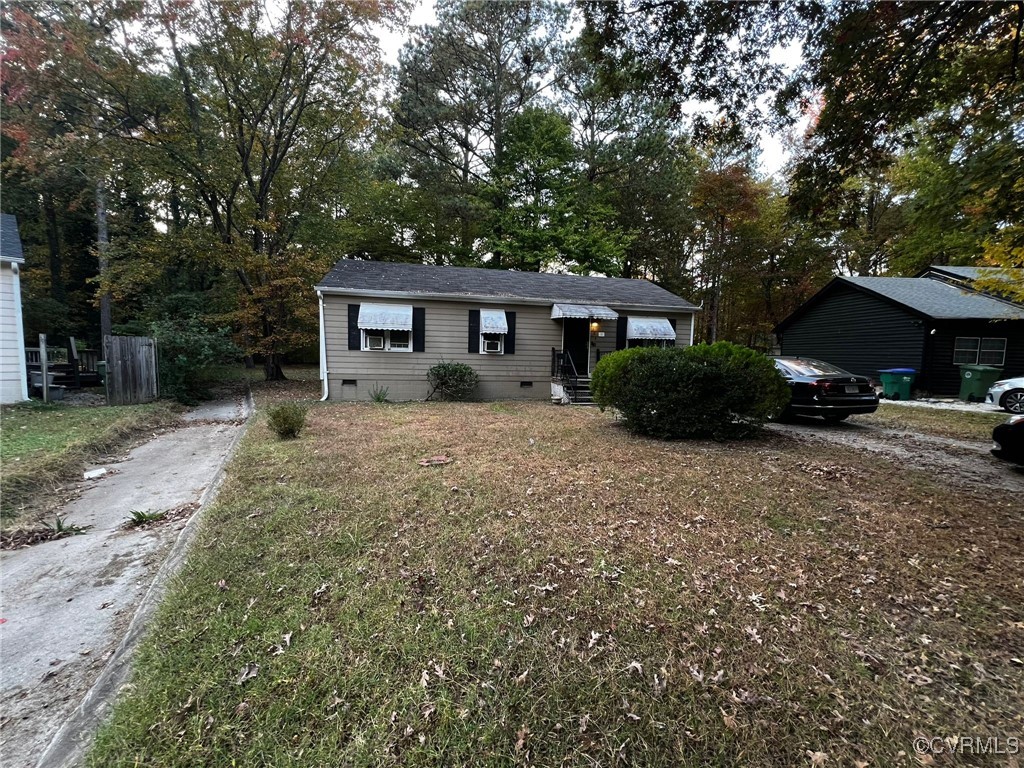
(245, 109)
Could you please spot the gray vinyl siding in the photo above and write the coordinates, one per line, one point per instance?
(446, 337)
(857, 332)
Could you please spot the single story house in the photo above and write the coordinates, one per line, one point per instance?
(933, 323)
(529, 335)
(13, 379)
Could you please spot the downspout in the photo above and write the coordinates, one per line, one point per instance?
(693, 322)
(323, 349)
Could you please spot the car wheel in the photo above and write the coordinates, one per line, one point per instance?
(835, 418)
(1013, 401)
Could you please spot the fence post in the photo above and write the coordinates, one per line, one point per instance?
(44, 367)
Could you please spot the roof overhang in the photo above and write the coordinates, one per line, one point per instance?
(330, 290)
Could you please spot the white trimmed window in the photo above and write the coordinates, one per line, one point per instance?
(965, 350)
(386, 341)
(385, 327)
(993, 352)
(972, 350)
(493, 328)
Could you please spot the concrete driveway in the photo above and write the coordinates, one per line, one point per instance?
(72, 609)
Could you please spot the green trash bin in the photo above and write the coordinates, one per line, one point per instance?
(896, 382)
(975, 381)
(101, 369)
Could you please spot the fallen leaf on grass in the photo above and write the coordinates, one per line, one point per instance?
(818, 759)
(320, 591)
(249, 671)
(521, 736)
(729, 720)
(434, 461)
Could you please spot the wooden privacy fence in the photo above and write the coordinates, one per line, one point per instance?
(131, 369)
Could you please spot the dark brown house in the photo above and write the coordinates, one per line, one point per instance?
(933, 323)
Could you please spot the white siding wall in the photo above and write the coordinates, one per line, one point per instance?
(446, 326)
(13, 387)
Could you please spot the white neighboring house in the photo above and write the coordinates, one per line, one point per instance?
(13, 384)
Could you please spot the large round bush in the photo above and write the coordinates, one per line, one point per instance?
(718, 390)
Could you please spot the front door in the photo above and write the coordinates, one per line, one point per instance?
(576, 342)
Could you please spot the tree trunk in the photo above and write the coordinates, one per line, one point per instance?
(53, 245)
(272, 370)
(102, 243)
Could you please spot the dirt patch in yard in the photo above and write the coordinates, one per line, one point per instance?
(961, 463)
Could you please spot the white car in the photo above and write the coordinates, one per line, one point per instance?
(1008, 394)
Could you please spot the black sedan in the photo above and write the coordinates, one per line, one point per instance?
(822, 389)
(1009, 440)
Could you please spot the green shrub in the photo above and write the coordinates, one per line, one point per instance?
(710, 390)
(452, 381)
(287, 420)
(186, 349)
(607, 376)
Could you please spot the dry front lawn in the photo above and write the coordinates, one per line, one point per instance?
(565, 594)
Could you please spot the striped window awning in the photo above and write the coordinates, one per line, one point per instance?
(583, 311)
(385, 317)
(649, 328)
(493, 321)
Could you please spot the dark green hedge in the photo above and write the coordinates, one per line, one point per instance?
(718, 390)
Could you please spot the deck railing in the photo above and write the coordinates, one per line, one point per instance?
(564, 369)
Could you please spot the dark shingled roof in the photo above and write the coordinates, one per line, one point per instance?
(973, 273)
(10, 242)
(424, 280)
(937, 299)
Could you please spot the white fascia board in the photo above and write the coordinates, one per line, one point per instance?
(505, 300)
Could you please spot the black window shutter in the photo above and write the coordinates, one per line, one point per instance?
(510, 337)
(419, 316)
(620, 333)
(474, 331)
(353, 327)
(672, 322)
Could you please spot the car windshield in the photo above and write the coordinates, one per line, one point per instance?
(809, 367)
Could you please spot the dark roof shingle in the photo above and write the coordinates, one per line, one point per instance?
(10, 242)
(469, 282)
(938, 299)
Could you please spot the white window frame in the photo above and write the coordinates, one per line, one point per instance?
(501, 343)
(366, 333)
(968, 351)
(1002, 352)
